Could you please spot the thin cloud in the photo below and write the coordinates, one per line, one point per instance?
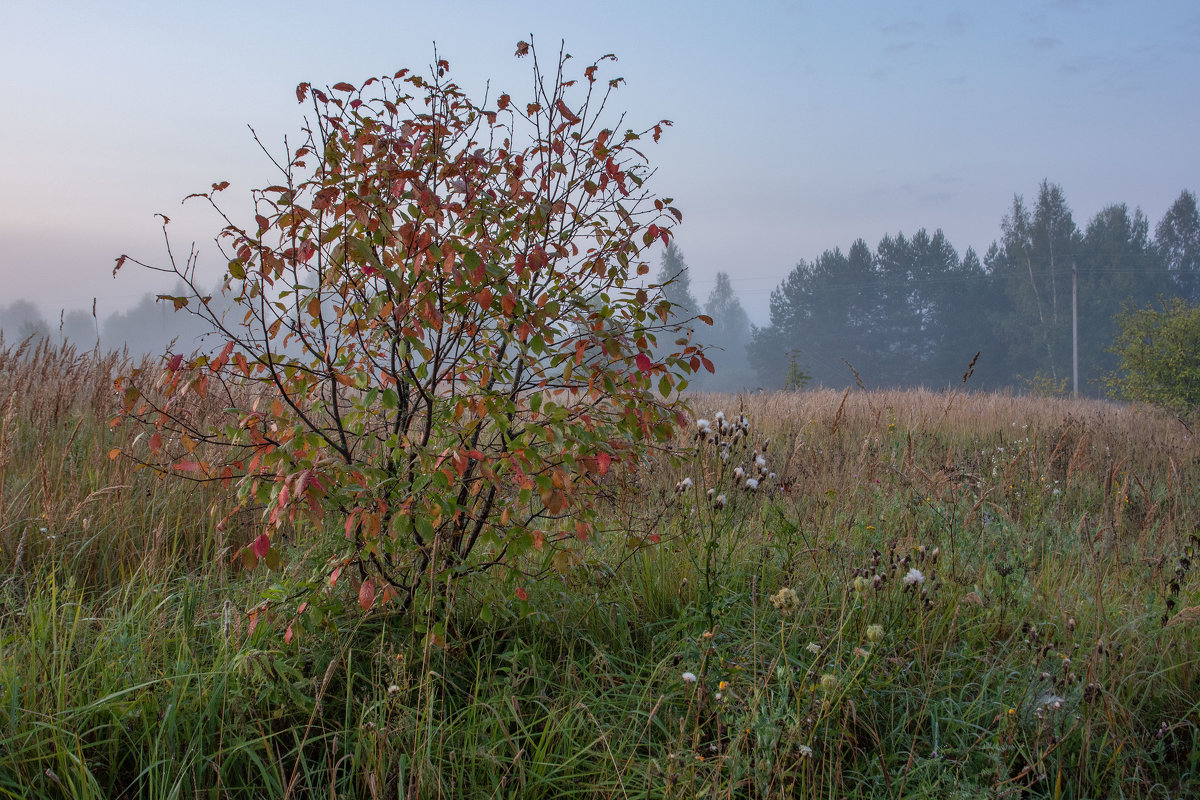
(957, 24)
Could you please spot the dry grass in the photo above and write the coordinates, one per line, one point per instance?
(64, 497)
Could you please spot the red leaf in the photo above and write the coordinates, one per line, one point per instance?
(566, 112)
(522, 594)
(366, 595)
(603, 460)
(287, 635)
(174, 363)
(344, 87)
(643, 362)
(261, 545)
(301, 92)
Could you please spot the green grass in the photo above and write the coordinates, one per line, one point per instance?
(1051, 651)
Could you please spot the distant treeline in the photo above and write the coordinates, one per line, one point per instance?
(146, 328)
(913, 312)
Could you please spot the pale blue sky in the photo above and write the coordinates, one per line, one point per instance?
(798, 126)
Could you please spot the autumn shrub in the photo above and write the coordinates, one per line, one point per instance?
(438, 347)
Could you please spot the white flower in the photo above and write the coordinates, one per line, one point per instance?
(719, 416)
(683, 485)
(760, 462)
(689, 677)
(739, 473)
(914, 577)
(814, 648)
(703, 425)
(751, 485)
(805, 751)
(719, 502)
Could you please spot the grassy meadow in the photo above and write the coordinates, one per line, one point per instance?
(929, 594)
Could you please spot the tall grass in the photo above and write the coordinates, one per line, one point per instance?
(1049, 649)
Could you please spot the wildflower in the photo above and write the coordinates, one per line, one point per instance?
(814, 648)
(719, 502)
(829, 682)
(914, 577)
(689, 677)
(738, 474)
(785, 601)
(861, 584)
(874, 633)
(861, 653)
(393, 689)
(751, 485)
(723, 685)
(760, 462)
(683, 485)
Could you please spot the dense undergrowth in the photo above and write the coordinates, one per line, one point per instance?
(927, 594)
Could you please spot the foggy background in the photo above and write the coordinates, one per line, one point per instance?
(799, 129)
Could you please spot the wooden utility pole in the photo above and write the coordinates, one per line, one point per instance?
(1074, 331)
